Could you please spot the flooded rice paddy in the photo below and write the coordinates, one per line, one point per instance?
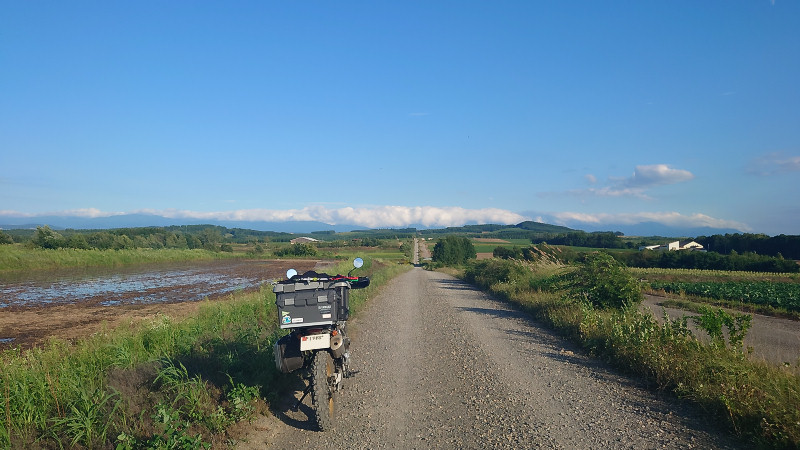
(74, 304)
(174, 282)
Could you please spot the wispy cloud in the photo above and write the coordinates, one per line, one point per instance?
(371, 217)
(88, 213)
(774, 163)
(644, 177)
(669, 218)
(654, 175)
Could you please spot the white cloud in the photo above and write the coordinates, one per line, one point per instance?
(774, 163)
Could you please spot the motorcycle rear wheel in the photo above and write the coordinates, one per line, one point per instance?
(323, 390)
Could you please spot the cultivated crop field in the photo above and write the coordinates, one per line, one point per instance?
(486, 245)
(767, 291)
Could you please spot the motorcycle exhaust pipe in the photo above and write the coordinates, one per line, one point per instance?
(337, 346)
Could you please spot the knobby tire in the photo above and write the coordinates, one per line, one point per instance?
(323, 396)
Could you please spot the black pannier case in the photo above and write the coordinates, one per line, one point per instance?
(307, 303)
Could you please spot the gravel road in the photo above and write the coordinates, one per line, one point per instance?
(442, 365)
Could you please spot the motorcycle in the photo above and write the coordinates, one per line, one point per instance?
(316, 307)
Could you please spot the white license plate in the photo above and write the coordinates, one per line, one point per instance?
(315, 341)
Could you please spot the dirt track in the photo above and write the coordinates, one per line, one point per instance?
(442, 365)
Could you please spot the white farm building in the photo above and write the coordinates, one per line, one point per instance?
(304, 240)
(675, 245)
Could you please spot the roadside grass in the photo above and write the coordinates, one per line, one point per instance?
(18, 259)
(154, 385)
(757, 401)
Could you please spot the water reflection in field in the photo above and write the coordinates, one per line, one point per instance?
(150, 284)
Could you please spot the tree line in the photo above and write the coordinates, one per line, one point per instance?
(787, 246)
(123, 239)
(209, 237)
(598, 239)
(682, 259)
(748, 261)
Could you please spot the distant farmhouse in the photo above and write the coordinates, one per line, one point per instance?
(304, 240)
(676, 245)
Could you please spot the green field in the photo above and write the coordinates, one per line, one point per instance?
(17, 258)
(488, 247)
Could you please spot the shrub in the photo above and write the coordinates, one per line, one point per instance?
(507, 253)
(5, 239)
(297, 250)
(489, 272)
(45, 237)
(604, 282)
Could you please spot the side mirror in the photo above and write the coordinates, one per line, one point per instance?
(290, 273)
(358, 262)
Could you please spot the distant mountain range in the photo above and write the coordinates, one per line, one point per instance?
(148, 220)
(657, 229)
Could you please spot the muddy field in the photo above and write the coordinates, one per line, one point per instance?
(80, 311)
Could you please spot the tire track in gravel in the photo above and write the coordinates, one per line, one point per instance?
(442, 365)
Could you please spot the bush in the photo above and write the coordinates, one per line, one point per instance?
(297, 250)
(5, 239)
(489, 272)
(45, 237)
(604, 282)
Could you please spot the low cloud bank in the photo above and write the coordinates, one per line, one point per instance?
(370, 217)
(375, 217)
(403, 216)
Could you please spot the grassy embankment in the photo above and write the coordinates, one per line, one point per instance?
(162, 384)
(17, 258)
(758, 401)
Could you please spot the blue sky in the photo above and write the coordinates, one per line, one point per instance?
(587, 114)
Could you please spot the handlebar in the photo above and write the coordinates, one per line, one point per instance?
(359, 282)
(355, 282)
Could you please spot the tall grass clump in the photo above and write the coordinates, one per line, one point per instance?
(121, 384)
(157, 384)
(757, 401)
